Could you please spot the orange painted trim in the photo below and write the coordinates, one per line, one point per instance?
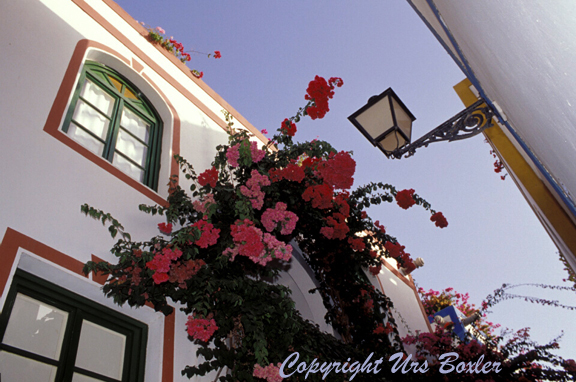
(99, 278)
(137, 66)
(158, 69)
(58, 110)
(9, 249)
(397, 273)
(168, 354)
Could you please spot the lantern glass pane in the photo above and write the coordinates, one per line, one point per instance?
(377, 118)
(392, 141)
(403, 119)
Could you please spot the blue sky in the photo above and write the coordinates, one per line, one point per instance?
(272, 49)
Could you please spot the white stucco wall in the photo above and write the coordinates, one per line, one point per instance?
(523, 55)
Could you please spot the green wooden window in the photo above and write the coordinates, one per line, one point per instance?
(110, 117)
(49, 334)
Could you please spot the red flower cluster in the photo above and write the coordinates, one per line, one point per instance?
(181, 273)
(208, 234)
(209, 176)
(395, 250)
(179, 50)
(439, 219)
(161, 264)
(379, 226)
(384, 329)
(405, 198)
(201, 328)
(320, 92)
(320, 195)
(375, 270)
(288, 127)
(196, 73)
(165, 228)
(341, 202)
(217, 54)
(337, 171)
(337, 227)
(247, 238)
(292, 172)
(357, 244)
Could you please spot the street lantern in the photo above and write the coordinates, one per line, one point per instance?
(387, 123)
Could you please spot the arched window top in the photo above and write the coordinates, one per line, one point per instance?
(111, 117)
(121, 86)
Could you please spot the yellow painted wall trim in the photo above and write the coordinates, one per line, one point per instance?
(554, 217)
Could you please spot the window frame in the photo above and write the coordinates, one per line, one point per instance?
(79, 309)
(143, 108)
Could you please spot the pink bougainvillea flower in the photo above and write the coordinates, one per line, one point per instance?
(257, 154)
(209, 176)
(264, 131)
(165, 228)
(278, 215)
(160, 30)
(252, 190)
(405, 198)
(270, 373)
(204, 204)
(439, 219)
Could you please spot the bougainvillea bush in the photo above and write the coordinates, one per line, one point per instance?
(225, 238)
(521, 358)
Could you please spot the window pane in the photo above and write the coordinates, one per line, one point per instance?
(36, 327)
(14, 368)
(97, 97)
(101, 350)
(134, 124)
(88, 117)
(132, 148)
(128, 168)
(85, 139)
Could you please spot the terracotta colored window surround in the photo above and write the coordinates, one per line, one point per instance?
(58, 111)
(13, 241)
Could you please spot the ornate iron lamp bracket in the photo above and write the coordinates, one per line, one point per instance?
(469, 122)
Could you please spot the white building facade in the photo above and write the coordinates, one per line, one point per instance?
(518, 56)
(92, 112)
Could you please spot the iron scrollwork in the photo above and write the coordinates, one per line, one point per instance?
(469, 122)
